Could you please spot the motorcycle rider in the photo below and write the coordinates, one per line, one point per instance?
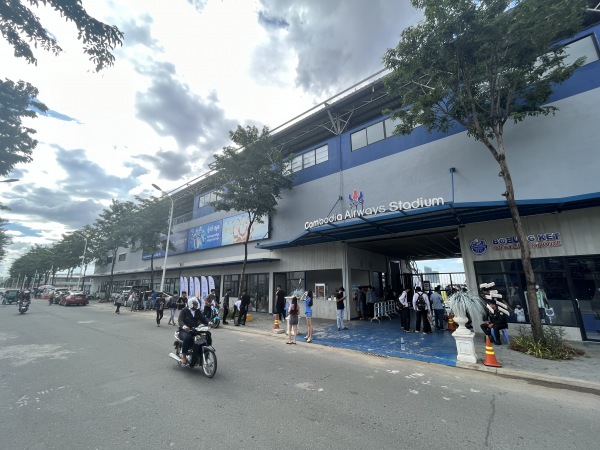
(189, 318)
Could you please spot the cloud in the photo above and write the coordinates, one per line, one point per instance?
(171, 108)
(137, 31)
(172, 165)
(198, 4)
(335, 43)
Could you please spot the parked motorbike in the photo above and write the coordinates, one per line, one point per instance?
(214, 317)
(23, 305)
(202, 352)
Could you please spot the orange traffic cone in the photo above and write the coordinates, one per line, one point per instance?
(451, 324)
(276, 323)
(490, 357)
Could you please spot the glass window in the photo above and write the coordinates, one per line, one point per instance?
(122, 256)
(390, 125)
(583, 47)
(488, 267)
(358, 139)
(297, 163)
(308, 159)
(375, 133)
(322, 154)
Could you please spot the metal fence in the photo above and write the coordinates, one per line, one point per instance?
(428, 281)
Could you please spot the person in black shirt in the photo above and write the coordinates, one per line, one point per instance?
(280, 303)
(243, 309)
(189, 318)
(226, 306)
(497, 321)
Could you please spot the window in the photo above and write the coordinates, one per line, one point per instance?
(310, 158)
(205, 199)
(583, 47)
(375, 133)
(109, 260)
(358, 139)
(390, 126)
(122, 256)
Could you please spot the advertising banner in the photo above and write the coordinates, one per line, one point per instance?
(178, 242)
(205, 236)
(197, 286)
(192, 290)
(204, 282)
(236, 227)
(185, 285)
(181, 287)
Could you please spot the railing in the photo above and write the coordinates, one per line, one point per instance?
(386, 308)
(184, 218)
(445, 280)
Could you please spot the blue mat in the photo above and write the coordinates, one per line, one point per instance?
(383, 338)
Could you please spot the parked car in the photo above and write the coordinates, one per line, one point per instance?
(59, 294)
(74, 298)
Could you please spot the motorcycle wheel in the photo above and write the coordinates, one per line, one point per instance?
(209, 368)
(217, 322)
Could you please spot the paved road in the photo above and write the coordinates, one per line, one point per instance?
(82, 377)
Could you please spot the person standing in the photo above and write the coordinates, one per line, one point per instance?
(160, 306)
(182, 301)
(362, 302)
(280, 302)
(153, 299)
(244, 304)
(308, 312)
(404, 310)
(371, 300)
(438, 308)
(226, 306)
(145, 297)
(173, 307)
(421, 306)
(542, 302)
(293, 313)
(236, 309)
(340, 298)
(133, 298)
(118, 301)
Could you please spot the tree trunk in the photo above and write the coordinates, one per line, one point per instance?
(112, 270)
(534, 317)
(152, 272)
(242, 280)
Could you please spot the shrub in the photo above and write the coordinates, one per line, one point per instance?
(552, 346)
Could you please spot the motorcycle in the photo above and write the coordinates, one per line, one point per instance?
(202, 347)
(214, 317)
(23, 305)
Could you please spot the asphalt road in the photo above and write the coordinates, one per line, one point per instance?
(84, 377)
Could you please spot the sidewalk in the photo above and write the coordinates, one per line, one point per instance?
(384, 339)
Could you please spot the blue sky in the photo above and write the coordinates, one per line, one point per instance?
(189, 71)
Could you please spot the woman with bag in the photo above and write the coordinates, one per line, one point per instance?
(293, 312)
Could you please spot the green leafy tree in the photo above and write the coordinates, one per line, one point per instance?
(5, 240)
(24, 32)
(250, 180)
(112, 230)
(149, 227)
(481, 64)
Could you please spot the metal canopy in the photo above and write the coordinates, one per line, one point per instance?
(436, 227)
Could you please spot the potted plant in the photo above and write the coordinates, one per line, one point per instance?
(465, 305)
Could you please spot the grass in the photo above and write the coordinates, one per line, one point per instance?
(552, 346)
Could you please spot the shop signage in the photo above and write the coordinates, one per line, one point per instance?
(357, 198)
(542, 240)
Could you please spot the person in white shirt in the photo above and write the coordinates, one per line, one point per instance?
(421, 306)
(404, 310)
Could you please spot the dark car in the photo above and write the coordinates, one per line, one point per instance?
(11, 295)
(74, 298)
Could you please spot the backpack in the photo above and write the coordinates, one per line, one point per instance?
(421, 305)
(310, 302)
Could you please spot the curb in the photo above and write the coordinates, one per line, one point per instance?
(557, 381)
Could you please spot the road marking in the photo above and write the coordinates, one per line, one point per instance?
(124, 400)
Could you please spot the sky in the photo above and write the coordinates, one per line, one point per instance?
(189, 71)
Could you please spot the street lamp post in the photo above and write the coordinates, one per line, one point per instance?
(82, 260)
(164, 272)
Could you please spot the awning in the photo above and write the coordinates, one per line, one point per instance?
(447, 216)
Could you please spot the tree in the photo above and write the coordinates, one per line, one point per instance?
(480, 64)
(112, 230)
(22, 29)
(250, 180)
(149, 227)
